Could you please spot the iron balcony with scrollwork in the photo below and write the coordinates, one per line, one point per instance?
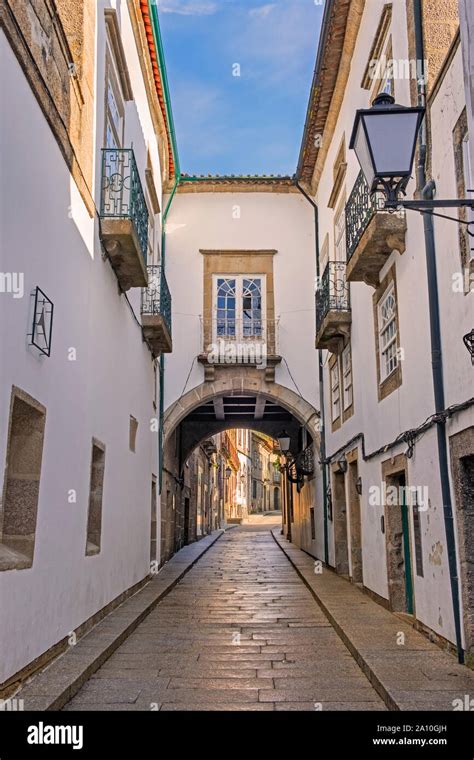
(333, 309)
(156, 311)
(124, 217)
(371, 234)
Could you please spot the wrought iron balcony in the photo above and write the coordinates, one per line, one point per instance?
(250, 342)
(371, 234)
(333, 310)
(124, 217)
(156, 311)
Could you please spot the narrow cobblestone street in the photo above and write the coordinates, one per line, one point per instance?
(239, 632)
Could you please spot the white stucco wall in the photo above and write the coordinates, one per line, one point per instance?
(408, 406)
(48, 235)
(279, 221)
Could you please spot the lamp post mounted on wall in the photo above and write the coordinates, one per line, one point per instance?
(384, 139)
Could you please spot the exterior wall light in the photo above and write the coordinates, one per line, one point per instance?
(342, 464)
(284, 441)
(384, 139)
(469, 343)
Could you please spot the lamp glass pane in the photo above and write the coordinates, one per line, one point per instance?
(284, 443)
(392, 138)
(363, 154)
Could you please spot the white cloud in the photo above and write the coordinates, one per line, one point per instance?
(262, 11)
(187, 8)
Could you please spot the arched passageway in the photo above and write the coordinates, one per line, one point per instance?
(192, 480)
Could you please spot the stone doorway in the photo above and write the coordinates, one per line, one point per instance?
(462, 468)
(340, 523)
(397, 537)
(355, 522)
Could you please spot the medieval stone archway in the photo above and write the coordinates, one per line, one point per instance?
(248, 400)
(252, 385)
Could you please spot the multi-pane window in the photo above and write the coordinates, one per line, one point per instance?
(151, 232)
(252, 307)
(468, 183)
(347, 377)
(114, 110)
(386, 83)
(335, 392)
(226, 307)
(239, 307)
(340, 234)
(387, 329)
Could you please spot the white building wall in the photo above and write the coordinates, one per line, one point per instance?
(48, 235)
(278, 221)
(409, 405)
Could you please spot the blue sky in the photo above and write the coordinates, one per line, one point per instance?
(247, 124)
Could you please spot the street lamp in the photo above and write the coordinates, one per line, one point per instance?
(228, 472)
(284, 441)
(469, 343)
(384, 139)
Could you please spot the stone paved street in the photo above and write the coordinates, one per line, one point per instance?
(239, 632)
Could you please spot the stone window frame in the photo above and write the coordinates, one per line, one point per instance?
(466, 242)
(20, 561)
(340, 211)
(236, 262)
(133, 431)
(347, 411)
(336, 421)
(344, 413)
(112, 78)
(393, 381)
(387, 51)
(378, 44)
(91, 548)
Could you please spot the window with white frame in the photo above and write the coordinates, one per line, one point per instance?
(340, 235)
(468, 184)
(346, 361)
(335, 392)
(387, 333)
(114, 108)
(239, 306)
(385, 71)
(151, 232)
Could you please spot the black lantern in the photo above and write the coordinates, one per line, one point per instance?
(284, 441)
(342, 464)
(469, 343)
(384, 139)
(228, 472)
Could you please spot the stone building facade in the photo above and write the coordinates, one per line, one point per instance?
(382, 431)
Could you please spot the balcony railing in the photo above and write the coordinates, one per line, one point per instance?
(241, 337)
(360, 209)
(333, 292)
(156, 311)
(372, 234)
(122, 194)
(156, 298)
